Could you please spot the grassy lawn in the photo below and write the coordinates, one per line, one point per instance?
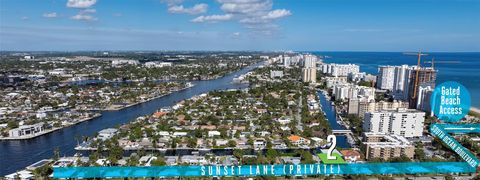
(339, 160)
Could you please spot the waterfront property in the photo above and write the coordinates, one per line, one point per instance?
(27, 130)
(21, 156)
(277, 116)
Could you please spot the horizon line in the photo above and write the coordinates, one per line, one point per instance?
(263, 51)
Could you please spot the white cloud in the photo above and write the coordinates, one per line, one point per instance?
(24, 18)
(247, 7)
(85, 15)
(172, 2)
(257, 15)
(269, 17)
(50, 15)
(81, 3)
(197, 9)
(212, 18)
(88, 11)
(276, 14)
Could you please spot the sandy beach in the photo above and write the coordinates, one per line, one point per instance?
(474, 109)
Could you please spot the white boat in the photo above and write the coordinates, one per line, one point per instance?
(162, 149)
(204, 149)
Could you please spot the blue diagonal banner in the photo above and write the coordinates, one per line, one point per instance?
(442, 130)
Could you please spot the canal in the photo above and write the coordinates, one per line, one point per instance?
(16, 155)
(331, 116)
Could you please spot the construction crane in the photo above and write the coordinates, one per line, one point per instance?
(417, 72)
(433, 61)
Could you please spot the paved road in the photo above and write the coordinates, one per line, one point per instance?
(298, 115)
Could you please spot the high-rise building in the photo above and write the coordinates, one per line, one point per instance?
(310, 61)
(423, 100)
(340, 69)
(353, 106)
(420, 77)
(401, 82)
(334, 81)
(402, 122)
(386, 77)
(363, 105)
(309, 75)
(349, 91)
(286, 61)
(341, 92)
(385, 146)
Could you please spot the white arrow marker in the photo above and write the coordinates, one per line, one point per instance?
(471, 128)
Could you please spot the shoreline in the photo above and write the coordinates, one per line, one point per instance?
(202, 149)
(52, 141)
(51, 130)
(474, 112)
(218, 76)
(474, 109)
(143, 101)
(89, 118)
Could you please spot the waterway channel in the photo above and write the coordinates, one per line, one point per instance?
(16, 155)
(331, 116)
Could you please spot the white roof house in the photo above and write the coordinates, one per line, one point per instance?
(107, 133)
(163, 133)
(24, 174)
(179, 134)
(284, 120)
(213, 133)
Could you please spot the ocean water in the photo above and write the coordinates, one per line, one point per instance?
(466, 71)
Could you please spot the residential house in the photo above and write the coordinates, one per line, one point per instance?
(298, 140)
(351, 155)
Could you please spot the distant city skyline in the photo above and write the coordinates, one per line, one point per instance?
(260, 25)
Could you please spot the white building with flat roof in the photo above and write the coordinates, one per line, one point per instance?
(157, 64)
(386, 77)
(213, 133)
(309, 75)
(28, 57)
(380, 145)
(286, 61)
(276, 74)
(423, 100)
(284, 120)
(340, 69)
(118, 62)
(362, 105)
(107, 133)
(349, 91)
(402, 122)
(402, 81)
(309, 61)
(27, 130)
(332, 81)
(341, 92)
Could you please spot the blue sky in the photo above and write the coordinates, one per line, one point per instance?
(310, 25)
